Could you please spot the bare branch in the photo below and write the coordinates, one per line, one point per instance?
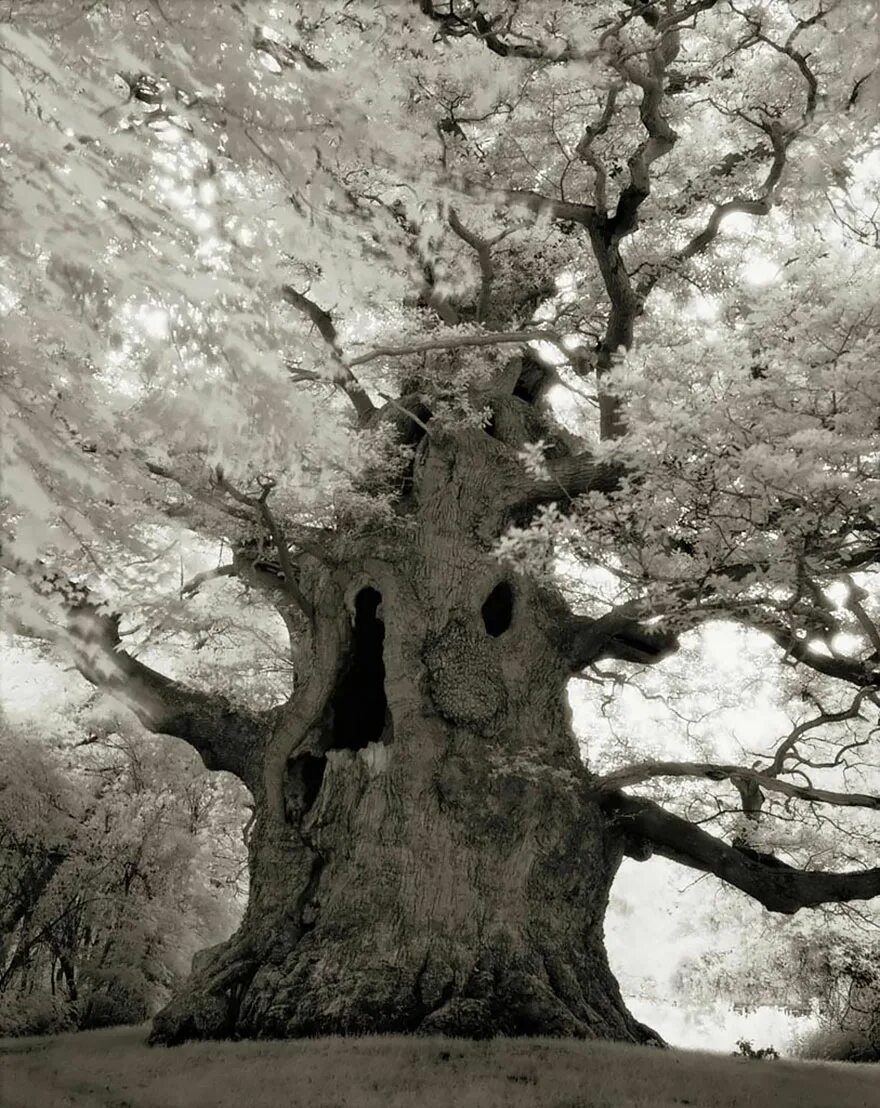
(757, 206)
(343, 377)
(776, 885)
(789, 744)
(788, 50)
(454, 342)
(260, 505)
(640, 772)
(207, 496)
(193, 585)
(484, 29)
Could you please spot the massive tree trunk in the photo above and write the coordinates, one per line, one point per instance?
(426, 855)
(428, 852)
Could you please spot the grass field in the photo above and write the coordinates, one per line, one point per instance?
(115, 1069)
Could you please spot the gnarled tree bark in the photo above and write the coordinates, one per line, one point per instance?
(427, 855)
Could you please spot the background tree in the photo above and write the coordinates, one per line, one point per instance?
(304, 281)
(120, 860)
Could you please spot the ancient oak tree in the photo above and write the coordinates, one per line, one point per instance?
(402, 306)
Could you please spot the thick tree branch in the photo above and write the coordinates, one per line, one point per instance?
(226, 737)
(483, 248)
(640, 772)
(659, 135)
(564, 479)
(536, 202)
(454, 342)
(853, 603)
(852, 670)
(260, 505)
(477, 25)
(607, 232)
(776, 885)
(617, 635)
(192, 586)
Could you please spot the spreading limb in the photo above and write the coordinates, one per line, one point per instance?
(224, 736)
(617, 635)
(563, 479)
(455, 342)
(776, 885)
(645, 771)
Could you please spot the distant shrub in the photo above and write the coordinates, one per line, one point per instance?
(112, 1007)
(35, 1014)
(744, 1049)
(835, 1044)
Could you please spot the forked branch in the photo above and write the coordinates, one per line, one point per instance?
(342, 375)
(267, 518)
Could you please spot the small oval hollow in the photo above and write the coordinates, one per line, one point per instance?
(497, 610)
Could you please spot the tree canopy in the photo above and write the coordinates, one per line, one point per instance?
(259, 258)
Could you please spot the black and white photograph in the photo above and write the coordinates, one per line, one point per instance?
(439, 553)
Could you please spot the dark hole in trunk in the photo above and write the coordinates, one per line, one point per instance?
(497, 611)
(531, 381)
(305, 775)
(360, 708)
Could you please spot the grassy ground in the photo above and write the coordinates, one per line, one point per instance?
(115, 1069)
